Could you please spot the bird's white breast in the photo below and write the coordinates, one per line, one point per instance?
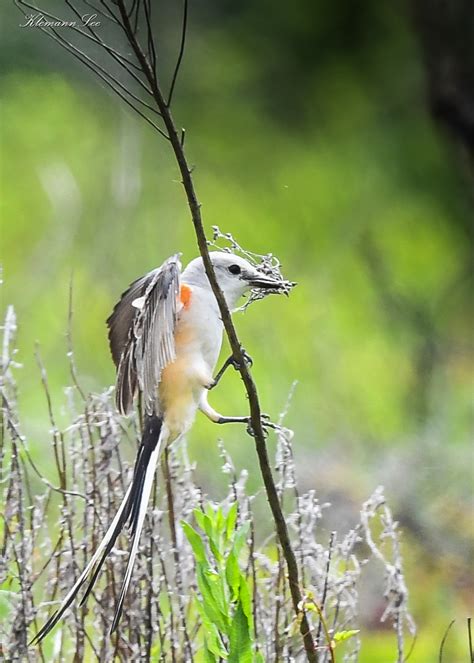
(198, 338)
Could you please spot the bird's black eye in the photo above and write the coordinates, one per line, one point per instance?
(234, 269)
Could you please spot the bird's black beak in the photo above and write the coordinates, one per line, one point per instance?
(265, 283)
(269, 284)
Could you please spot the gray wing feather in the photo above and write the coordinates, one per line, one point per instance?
(143, 340)
(120, 322)
(126, 380)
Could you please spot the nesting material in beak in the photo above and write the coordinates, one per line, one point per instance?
(266, 277)
(271, 285)
(267, 281)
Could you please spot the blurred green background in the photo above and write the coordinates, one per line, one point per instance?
(310, 132)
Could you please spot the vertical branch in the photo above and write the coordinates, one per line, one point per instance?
(250, 387)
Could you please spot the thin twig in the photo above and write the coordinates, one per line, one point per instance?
(469, 635)
(70, 346)
(150, 36)
(326, 582)
(329, 641)
(180, 59)
(124, 62)
(107, 15)
(443, 641)
(104, 76)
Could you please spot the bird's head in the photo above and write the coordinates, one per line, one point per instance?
(235, 276)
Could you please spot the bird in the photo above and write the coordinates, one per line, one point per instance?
(165, 335)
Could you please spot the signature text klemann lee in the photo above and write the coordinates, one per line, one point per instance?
(40, 21)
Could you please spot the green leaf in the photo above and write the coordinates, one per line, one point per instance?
(214, 643)
(218, 586)
(196, 544)
(220, 520)
(207, 526)
(212, 640)
(241, 538)
(240, 643)
(208, 655)
(199, 515)
(214, 544)
(246, 601)
(230, 521)
(155, 652)
(233, 575)
(210, 588)
(340, 636)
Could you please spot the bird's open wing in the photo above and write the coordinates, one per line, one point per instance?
(141, 334)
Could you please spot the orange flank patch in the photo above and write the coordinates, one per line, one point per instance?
(185, 295)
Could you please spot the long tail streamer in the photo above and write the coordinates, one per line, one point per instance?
(133, 508)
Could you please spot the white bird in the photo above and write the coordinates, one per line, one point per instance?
(165, 337)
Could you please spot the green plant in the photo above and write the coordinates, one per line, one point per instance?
(224, 603)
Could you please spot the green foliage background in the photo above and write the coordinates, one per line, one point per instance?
(311, 138)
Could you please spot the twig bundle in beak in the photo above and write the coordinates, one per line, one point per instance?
(271, 280)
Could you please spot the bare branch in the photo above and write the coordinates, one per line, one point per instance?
(109, 15)
(150, 37)
(180, 55)
(105, 76)
(92, 36)
(443, 641)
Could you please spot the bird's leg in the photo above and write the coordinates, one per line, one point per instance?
(232, 420)
(230, 361)
(264, 419)
(217, 418)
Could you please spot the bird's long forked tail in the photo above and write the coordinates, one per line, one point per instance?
(133, 508)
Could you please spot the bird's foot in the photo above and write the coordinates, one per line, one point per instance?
(266, 424)
(247, 359)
